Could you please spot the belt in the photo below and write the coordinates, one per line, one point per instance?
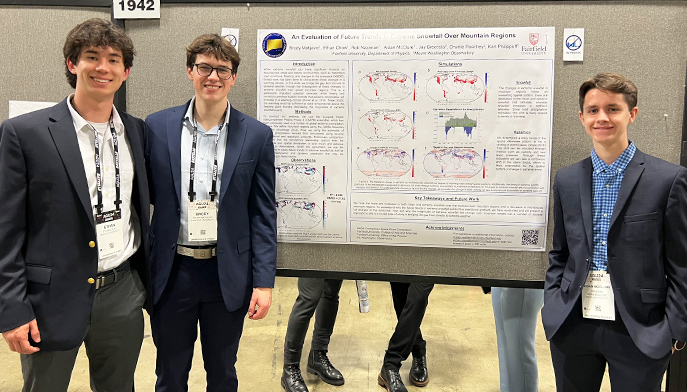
(111, 276)
(203, 253)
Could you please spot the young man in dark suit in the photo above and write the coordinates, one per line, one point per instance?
(214, 228)
(616, 287)
(74, 223)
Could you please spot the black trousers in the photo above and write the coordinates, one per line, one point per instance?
(314, 294)
(410, 303)
(193, 297)
(582, 347)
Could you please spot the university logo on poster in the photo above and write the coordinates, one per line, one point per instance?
(274, 45)
(534, 38)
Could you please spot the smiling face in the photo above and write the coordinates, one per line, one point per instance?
(99, 73)
(211, 88)
(605, 116)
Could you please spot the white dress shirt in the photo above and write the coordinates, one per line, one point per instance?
(130, 221)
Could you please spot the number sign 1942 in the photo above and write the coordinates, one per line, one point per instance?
(136, 9)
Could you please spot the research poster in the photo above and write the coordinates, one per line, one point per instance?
(414, 137)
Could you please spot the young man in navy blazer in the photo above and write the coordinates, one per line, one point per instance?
(74, 223)
(213, 233)
(616, 287)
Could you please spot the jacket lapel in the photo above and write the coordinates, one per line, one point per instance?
(174, 128)
(586, 200)
(633, 171)
(134, 138)
(235, 138)
(64, 135)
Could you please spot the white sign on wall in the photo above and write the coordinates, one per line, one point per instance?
(17, 108)
(136, 9)
(573, 45)
(232, 35)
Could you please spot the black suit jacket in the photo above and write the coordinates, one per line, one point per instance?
(647, 250)
(47, 223)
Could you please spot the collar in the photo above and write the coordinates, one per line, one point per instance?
(189, 120)
(80, 122)
(618, 166)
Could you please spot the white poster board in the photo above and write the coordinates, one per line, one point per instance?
(414, 137)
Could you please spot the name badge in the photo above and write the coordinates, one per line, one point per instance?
(202, 220)
(597, 297)
(110, 231)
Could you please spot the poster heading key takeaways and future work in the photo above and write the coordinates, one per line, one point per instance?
(414, 137)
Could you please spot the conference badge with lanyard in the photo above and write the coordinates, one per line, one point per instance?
(202, 214)
(597, 296)
(108, 224)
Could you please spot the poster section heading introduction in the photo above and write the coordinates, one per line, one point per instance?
(413, 137)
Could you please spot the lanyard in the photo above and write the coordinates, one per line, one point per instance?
(213, 191)
(98, 175)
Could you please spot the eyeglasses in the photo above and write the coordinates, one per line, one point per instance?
(206, 70)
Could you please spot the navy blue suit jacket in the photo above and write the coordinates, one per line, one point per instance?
(47, 223)
(246, 216)
(647, 250)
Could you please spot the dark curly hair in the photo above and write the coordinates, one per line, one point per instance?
(96, 33)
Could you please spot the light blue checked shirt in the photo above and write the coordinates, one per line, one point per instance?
(205, 159)
(606, 181)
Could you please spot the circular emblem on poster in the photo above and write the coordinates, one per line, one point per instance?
(274, 44)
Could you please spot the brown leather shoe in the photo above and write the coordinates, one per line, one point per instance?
(390, 379)
(418, 371)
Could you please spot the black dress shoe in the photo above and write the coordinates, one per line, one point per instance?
(319, 364)
(292, 380)
(390, 379)
(418, 371)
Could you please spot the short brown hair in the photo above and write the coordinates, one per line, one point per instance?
(215, 45)
(96, 33)
(610, 82)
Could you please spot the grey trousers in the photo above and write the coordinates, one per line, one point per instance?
(313, 294)
(113, 341)
(515, 314)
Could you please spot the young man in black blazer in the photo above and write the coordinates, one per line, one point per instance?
(616, 288)
(74, 223)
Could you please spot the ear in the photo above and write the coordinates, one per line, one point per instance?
(581, 117)
(71, 66)
(126, 74)
(633, 114)
(189, 73)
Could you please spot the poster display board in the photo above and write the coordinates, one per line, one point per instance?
(419, 137)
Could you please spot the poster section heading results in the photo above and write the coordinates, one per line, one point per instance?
(414, 137)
